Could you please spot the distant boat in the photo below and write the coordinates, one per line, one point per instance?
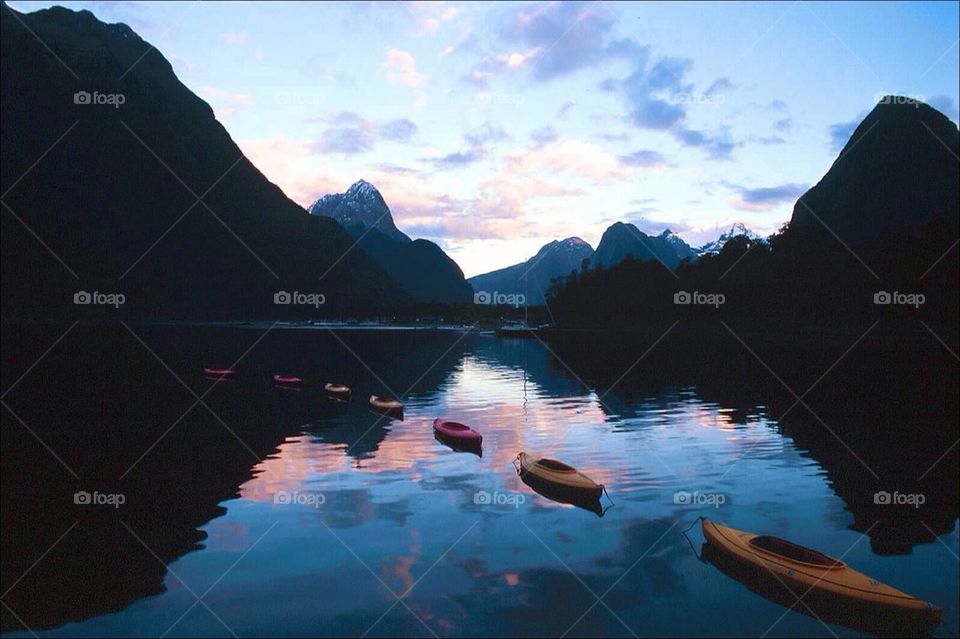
(288, 381)
(339, 392)
(456, 435)
(516, 329)
(386, 406)
(220, 373)
(840, 592)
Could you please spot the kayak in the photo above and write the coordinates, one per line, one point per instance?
(558, 476)
(385, 405)
(287, 380)
(226, 373)
(829, 581)
(338, 391)
(456, 434)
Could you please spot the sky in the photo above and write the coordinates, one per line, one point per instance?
(494, 128)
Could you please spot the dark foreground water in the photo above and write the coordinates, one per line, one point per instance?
(321, 518)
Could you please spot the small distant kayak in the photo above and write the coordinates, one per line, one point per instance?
(226, 373)
(338, 391)
(456, 434)
(288, 380)
(805, 570)
(385, 405)
(558, 476)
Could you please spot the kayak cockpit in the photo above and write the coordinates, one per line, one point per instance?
(554, 465)
(794, 552)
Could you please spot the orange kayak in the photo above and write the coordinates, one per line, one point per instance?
(803, 570)
(558, 475)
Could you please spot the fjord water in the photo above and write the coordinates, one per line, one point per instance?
(316, 517)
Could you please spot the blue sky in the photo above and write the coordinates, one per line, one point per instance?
(494, 128)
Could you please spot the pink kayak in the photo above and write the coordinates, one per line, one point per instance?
(287, 380)
(226, 373)
(456, 434)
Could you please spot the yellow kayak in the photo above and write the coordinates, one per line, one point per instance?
(558, 475)
(816, 576)
(385, 405)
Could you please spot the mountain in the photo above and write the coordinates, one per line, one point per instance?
(362, 205)
(735, 230)
(421, 267)
(622, 239)
(532, 277)
(898, 169)
(117, 178)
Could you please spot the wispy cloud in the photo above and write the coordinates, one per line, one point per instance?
(840, 132)
(644, 158)
(400, 130)
(401, 69)
(767, 197)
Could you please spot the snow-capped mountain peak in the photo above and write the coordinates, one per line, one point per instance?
(736, 229)
(360, 206)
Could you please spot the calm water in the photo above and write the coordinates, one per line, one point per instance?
(381, 509)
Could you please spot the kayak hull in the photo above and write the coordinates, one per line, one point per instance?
(834, 589)
(390, 407)
(220, 373)
(339, 392)
(562, 481)
(456, 434)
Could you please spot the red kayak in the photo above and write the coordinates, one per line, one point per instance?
(287, 380)
(226, 373)
(456, 434)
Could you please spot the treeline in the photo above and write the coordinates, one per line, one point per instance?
(790, 279)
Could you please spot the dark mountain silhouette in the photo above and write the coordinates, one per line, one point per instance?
(110, 186)
(898, 169)
(803, 280)
(623, 239)
(421, 267)
(532, 278)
